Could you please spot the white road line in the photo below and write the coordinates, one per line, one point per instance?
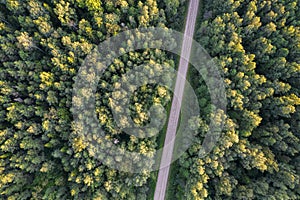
(165, 163)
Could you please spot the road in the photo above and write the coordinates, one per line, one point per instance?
(165, 163)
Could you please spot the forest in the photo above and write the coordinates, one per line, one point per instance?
(256, 47)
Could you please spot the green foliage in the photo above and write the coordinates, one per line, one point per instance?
(43, 44)
(257, 156)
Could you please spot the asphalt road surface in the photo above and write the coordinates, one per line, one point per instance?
(165, 163)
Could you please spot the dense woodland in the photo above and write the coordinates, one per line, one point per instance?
(256, 45)
(43, 44)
